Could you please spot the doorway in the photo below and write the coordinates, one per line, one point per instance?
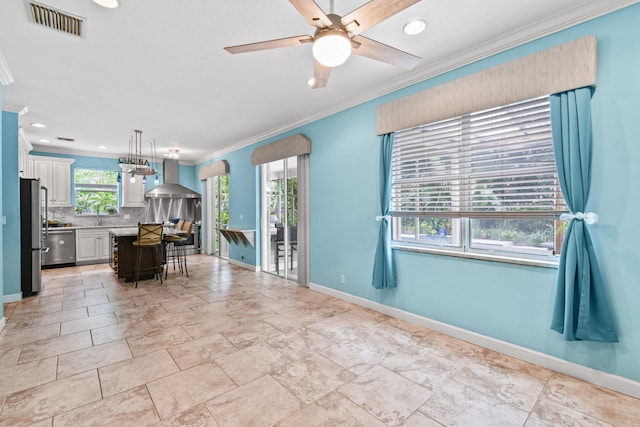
(280, 218)
(216, 215)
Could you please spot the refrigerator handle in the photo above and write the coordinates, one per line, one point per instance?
(46, 210)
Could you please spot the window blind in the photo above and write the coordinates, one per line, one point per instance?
(493, 163)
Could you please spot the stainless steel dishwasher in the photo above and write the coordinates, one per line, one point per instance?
(62, 248)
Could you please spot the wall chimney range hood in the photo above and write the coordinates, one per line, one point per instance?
(170, 189)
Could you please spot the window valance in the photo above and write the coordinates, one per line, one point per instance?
(568, 66)
(294, 145)
(220, 167)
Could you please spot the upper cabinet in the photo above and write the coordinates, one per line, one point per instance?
(132, 192)
(55, 174)
(25, 165)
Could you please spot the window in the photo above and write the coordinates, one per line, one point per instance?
(96, 191)
(482, 182)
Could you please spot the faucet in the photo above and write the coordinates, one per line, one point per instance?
(98, 215)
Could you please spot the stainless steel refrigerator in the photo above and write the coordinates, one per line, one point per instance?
(33, 216)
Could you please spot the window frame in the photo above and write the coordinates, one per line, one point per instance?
(462, 242)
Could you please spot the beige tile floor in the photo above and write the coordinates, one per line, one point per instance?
(229, 347)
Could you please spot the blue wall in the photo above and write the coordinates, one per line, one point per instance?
(10, 204)
(508, 302)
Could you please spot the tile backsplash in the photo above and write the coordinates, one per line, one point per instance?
(67, 214)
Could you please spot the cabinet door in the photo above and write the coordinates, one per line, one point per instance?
(43, 170)
(132, 193)
(104, 246)
(61, 173)
(87, 247)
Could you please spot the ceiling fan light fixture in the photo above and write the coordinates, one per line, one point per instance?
(331, 47)
(110, 4)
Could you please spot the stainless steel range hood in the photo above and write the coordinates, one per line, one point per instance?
(170, 189)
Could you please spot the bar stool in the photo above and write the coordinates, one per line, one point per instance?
(172, 248)
(149, 238)
(180, 245)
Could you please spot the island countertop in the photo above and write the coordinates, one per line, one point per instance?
(122, 232)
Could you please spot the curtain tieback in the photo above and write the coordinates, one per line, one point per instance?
(380, 218)
(587, 217)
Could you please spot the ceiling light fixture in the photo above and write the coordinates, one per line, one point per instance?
(102, 147)
(415, 26)
(173, 153)
(138, 164)
(331, 47)
(44, 140)
(38, 125)
(109, 4)
(311, 81)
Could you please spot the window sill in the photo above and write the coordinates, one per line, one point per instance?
(474, 255)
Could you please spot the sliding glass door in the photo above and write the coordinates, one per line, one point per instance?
(280, 218)
(216, 215)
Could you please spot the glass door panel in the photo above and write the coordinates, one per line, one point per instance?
(280, 212)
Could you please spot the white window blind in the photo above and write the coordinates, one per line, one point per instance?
(493, 163)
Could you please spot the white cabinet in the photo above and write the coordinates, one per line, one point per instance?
(55, 174)
(25, 165)
(132, 192)
(92, 244)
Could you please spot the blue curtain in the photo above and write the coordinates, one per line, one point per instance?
(384, 273)
(581, 310)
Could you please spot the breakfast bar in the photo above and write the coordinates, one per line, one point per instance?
(123, 255)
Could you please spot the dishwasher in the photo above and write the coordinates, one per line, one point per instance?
(62, 248)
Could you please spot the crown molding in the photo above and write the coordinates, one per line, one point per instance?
(6, 77)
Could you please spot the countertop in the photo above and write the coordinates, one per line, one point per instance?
(89, 227)
(128, 231)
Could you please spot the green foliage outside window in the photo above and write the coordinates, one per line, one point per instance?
(96, 191)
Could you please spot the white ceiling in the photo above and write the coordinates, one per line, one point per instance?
(159, 66)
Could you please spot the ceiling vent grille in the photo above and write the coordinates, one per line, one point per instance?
(55, 19)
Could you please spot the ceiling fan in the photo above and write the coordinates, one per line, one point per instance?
(337, 36)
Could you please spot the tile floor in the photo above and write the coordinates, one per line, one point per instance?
(229, 347)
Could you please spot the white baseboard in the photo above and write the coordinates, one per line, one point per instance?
(12, 298)
(603, 379)
(3, 322)
(243, 265)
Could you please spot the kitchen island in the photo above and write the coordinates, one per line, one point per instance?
(123, 254)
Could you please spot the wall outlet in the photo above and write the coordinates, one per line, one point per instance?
(342, 279)
(127, 216)
(241, 217)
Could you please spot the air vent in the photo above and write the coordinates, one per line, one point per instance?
(55, 19)
(63, 139)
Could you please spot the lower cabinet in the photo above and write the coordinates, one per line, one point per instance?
(92, 245)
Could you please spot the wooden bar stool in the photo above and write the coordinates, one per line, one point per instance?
(149, 238)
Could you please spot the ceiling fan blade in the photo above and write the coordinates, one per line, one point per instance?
(381, 52)
(312, 13)
(369, 14)
(320, 76)
(269, 44)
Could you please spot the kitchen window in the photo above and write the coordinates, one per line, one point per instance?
(481, 183)
(96, 191)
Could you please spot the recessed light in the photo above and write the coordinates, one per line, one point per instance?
(311, 81)
(38, 125)
(415, 26)
(110, 4)
(102, 147)
(44, 140)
